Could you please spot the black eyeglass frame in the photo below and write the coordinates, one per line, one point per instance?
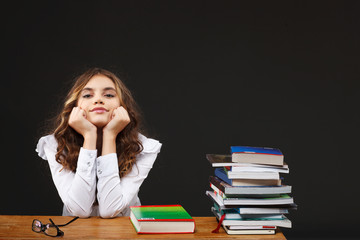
(43, 227)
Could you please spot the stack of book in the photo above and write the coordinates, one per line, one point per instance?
(248, 193)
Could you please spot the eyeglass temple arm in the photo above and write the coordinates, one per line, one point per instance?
(59, 232)
(63, 225)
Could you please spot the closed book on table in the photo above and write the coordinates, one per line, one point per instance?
(161, 219)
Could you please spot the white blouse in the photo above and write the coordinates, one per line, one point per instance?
(115, 195)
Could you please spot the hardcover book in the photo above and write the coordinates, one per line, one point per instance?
(248, 231)
(260, 155)
(247, 190)
(285, 222)
(263, 168)
(252, 175)
(283, 199)
(233, 214)
(223, 160)
(220, 173)
(223, 195)
(255, 210)
(161, 219)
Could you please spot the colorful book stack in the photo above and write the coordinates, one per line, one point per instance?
(248, 193)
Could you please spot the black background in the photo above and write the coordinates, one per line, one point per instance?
(207, 75)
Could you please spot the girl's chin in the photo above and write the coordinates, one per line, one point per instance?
(100, 123)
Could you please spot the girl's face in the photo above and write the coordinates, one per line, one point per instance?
(98, 99)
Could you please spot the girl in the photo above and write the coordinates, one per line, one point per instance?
(97, 157)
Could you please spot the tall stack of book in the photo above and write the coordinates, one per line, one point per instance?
(248, 193)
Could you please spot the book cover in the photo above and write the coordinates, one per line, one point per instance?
(221, 174)
(253, 209)
(284, 199)
(285, 222)
(233, 214)
(223, 160)
(260, 155)
(252, 175)
(224, 195)
(247, 190)
(240, 227)
(262, 210)
(219, 160)
(248, 231)
(161, 219)
(258, 169)
(259, 150)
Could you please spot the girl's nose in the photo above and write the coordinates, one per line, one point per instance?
(99, 101)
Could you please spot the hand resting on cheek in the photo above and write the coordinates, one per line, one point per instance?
(78, 121)
(119, 119)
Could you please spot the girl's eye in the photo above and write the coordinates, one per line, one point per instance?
(86, 96)
(109, 95)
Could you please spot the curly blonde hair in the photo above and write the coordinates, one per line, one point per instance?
(69, 141)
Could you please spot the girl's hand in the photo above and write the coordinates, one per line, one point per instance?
(119, 120)
(80, 124)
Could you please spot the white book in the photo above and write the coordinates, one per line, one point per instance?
(284, 199)
(223, 195)
(221, 160)
(238, 227)
(257, 210)
(248, 190)
(253, 175)
(259, 155)
(286, 223)
(232, 214)
(248, 231)
(259, 169)
(216, 199)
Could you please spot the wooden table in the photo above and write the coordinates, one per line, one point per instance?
(19, 227)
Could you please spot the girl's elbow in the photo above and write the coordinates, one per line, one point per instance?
(82, 214)
(78, 211)
(108, 214)
(111, 211)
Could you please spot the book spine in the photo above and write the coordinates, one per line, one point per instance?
(217, 182)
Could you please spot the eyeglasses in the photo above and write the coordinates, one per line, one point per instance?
(50, 229)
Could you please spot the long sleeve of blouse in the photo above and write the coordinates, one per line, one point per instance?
(115, 195)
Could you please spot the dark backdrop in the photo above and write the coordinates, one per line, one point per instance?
(207, 75)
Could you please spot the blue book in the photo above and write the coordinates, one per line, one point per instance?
(258, 155)
(247, 149)
(220, 173)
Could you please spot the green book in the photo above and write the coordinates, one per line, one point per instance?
(161, 219)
